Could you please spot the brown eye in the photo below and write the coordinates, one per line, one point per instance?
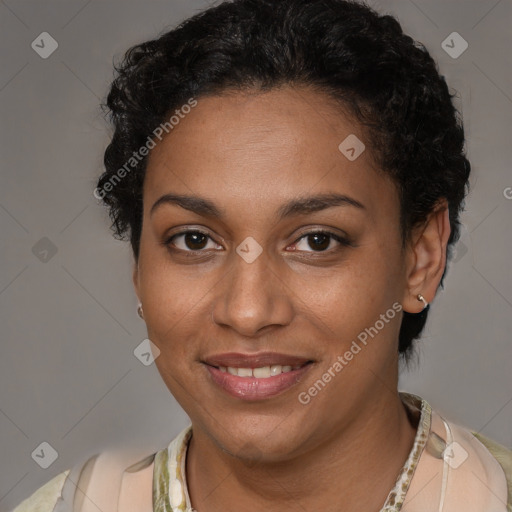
(189, 241)
(320, 241)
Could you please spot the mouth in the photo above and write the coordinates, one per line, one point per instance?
(263, 372)
(256, 377)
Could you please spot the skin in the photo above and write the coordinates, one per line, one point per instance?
(249, 154)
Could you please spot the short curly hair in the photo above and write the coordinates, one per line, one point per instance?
(345, 49)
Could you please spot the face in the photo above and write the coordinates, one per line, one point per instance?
(249, 273)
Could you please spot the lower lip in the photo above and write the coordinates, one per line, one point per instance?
(252, 388)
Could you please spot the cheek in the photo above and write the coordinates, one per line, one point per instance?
(349, 303)
(168, 293)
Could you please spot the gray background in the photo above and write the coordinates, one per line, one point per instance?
(68, 375)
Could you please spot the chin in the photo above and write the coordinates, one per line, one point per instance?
(256, 439)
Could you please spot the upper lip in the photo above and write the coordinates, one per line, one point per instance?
(238, 360)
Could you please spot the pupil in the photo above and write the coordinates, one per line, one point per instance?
(194, 237)
(321, 246)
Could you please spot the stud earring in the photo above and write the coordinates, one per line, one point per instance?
(422, 299)
(140, 312)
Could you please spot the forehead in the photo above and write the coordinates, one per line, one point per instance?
(265, 147)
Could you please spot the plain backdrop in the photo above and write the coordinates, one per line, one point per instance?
(69, 328)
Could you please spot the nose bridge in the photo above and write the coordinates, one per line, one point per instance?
(252, 296)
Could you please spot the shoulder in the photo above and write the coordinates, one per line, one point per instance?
(472, 456)
(98, 478)
(457, 469)
(503, 456)
(44, 498)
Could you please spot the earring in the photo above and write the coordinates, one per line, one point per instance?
(140, 312)
(422, 299)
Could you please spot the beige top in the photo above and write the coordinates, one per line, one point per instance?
(449, 469)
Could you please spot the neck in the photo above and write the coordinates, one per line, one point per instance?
(335, 475)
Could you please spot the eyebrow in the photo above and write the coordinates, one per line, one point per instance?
(299, 206)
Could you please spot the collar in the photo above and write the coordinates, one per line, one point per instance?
(170, 493)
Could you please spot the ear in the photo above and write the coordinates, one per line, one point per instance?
(426, 258)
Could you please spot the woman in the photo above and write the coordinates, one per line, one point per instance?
(290, 176)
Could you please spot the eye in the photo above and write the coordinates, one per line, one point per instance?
(190, 241)
(320, 241)
(195, 241)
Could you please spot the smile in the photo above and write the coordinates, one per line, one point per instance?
(263, 372)
(255, 377)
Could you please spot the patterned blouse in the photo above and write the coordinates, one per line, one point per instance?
(454, 470)
(170, 493)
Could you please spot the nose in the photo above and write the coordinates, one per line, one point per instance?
(252, 297)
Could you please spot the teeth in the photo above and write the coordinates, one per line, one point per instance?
(263, 372)
(275, 369)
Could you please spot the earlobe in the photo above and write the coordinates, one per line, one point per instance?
(135, 279)
(427, 257)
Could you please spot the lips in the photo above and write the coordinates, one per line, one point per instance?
(234, 373)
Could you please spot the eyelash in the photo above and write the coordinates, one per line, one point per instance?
(344, 242)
